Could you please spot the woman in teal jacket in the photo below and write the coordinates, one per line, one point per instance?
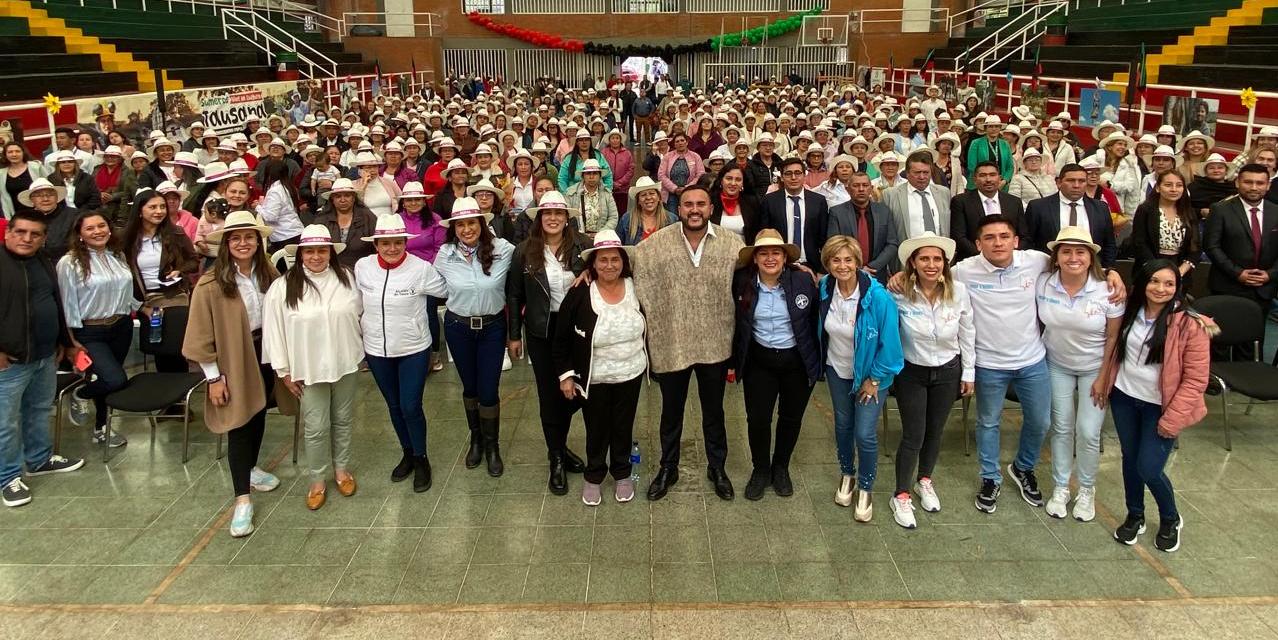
(583, 150)
(861, 354)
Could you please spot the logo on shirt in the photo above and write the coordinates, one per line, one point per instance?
(801, 301)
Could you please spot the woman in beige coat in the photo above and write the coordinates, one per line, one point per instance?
(224, 335)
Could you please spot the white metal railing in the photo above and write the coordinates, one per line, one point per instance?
(977, 14)
(558, 6)
(796, 6)
(483, 6)
(293, 12)
(1011, 39)
(732, 6)
(936, 18)
(273, 39)
(422, 23)
(645, 6)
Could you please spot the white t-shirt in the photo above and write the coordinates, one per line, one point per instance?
(1135, 378)
(1074, 327)
(840, 325)
(618, 353)
(1003, 305)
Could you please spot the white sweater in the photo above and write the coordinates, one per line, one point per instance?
(319, 341)
(394, 320)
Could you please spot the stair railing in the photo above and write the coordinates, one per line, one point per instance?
(272, 39)
(978, 13)
(1015, 38)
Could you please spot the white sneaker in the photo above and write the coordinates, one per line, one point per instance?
(903, 511)
(864, 506)
(843, 495)
(1058, 506)
(1085, 505)
(79, 409)
(262, 481)
(928, 499)
(242, 520)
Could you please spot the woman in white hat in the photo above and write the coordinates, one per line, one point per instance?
(776, 353)
(592, 197)
(1194, 150)
(484, 166)
(20, 170)
(110, 179)
(888, 167)
(396, 287)
(645, 215)
(1058, 145)
(491, 201)
(223, 335)
(600, 357)
(376, 191)
(622, 165)
(572, 166)
(426, 239)
(206, 149)
(474, 264)
(1080, 329)
(173, 197)
(457, 178)
(1121, 172)
(938, 342)
(82, 191)
(1212, 186)
(544, 267)
(159, 169)
(49, 200)
(97, 301)
(1031, 182)
(348, 221)
(394, 168)
(519, 188)
(163, 259)
(311, 337)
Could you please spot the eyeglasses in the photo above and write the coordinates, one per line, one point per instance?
(792, 174)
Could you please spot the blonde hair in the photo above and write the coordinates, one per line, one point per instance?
(838, 243)
(911, 277)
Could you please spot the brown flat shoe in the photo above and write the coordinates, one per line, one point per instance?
(315, 499)
(346, 487)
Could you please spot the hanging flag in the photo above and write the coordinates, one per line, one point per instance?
(413, 81)
(1140, 77)
(375, 87)
(1038, 68)
(1009, 80)
(928, 63)
(891, 66)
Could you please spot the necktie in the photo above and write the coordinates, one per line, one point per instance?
(989, 207)
(1073, 214)
(928, 223)
(1255, 233)
(797, 217)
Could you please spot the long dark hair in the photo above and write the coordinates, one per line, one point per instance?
(535, 245)
(716, 187)
(1136, 308)
(485, 253)
(80, 253)
(1185, 211)
(296, 281)
(277, 171)
(170, 242)
(224, 268)
(570, 163)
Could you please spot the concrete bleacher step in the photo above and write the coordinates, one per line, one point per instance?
(1260, 78)
(31, 86)
(1239, 54)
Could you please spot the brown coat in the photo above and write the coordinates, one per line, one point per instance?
(218, 330)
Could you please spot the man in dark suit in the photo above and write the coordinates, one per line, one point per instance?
(1045, 217)
(1232, 234)
(968, 208)
(792, 204)
(871, 224)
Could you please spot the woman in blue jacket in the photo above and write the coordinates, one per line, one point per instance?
(776, 354)
(861, 349)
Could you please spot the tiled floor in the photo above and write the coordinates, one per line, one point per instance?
(138, 547)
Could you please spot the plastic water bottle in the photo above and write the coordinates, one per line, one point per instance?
(157, 326)
(634, 461)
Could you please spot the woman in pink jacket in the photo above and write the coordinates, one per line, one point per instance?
(679, 168)
(623, 168)
(1156, 377)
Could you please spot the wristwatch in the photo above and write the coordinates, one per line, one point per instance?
(872, 381)
(214, 380)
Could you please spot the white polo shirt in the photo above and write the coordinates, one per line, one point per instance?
(1004, 308)
(932, 335)
(1074, 326)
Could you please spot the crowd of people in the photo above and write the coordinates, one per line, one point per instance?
(774, 236)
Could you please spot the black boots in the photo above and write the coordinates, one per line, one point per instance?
(558, 482)
(421, 473)
(404, 468)
(489, 428)
(475, 453)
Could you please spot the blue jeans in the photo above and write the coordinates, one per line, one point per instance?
(1076, 426)
(402, 381)
(26, 399)
(1034, 390)
(855, 423)
(1145, 454)
(108, 346)
(478, 356)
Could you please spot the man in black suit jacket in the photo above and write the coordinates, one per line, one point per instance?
(778, 210)
(845, 220)
(968, 208)
(1228, 239)
(1043, 217)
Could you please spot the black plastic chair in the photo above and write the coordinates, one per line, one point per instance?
(150, 393)
(68, 381)
(1241, 324)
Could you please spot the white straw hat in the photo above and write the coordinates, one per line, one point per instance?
(389, 225)
(315, 235)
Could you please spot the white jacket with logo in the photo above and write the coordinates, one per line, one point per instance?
(394, 320)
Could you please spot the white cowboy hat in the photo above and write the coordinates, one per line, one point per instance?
(607, 239)
(1118, 136)
(1164, 151)
(64, 156)
(186, 159)
(925, 239)
(486, 185)
(464, 208)
(315, 235)
(591, 166)
(166, 187)
(644, 183)
(992, 121)
(766, 238)
(1215, 158)
(342, 185)
(454, 165)
(554, 201)
(843, 157)
(1196, 135)
(520, 152)
(1074, 235)
(886, 156)
(215, 172)
(367, 159)
(482, 149)
(112, 150)
(41, 184)
(239, 167)
(948, 136)
(1030, 153)
(237, 220)
(1103, 124)
(412, 189)
(389, 225)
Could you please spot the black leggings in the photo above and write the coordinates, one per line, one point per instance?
(925, 396)
(244, 444)
(556, 410)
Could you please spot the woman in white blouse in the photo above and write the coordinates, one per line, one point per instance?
(938, 340)
(311, 337)
(519, 189)
(379, 193)
(543, 269)
(599, 355)
(97, 299)
(279, 207)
